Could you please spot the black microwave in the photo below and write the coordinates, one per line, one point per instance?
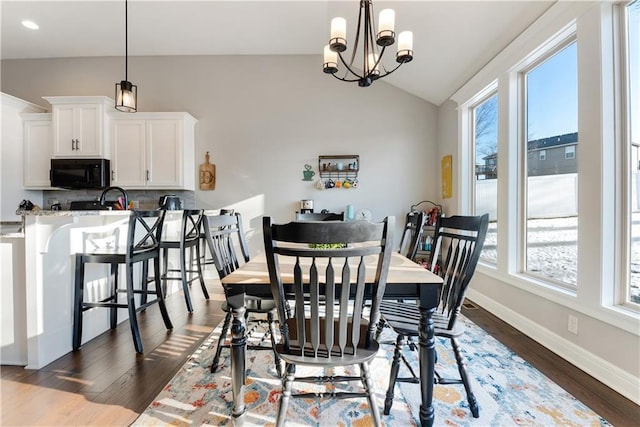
(80, 173)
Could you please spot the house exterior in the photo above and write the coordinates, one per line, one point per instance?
(546, 156)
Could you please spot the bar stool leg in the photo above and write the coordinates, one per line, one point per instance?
(131, 306)
(77, 302)
(160, 295)
(200, 275)
(113, 311)
(183, 274)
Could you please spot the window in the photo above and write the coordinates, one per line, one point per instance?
(542, 155)
(570, 152)
(485, 140)
(631, 142)
(550, 215)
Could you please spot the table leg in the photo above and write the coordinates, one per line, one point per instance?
(427, 344)
(238, 349)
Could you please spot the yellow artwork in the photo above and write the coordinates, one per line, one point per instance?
(447, 175)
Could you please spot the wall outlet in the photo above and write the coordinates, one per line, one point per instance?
(572, 324)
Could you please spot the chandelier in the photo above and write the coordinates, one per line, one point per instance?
(372, 48)
(126, 92)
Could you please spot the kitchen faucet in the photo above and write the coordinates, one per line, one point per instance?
(121, 190)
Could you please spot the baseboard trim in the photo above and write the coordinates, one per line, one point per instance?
(602, 370)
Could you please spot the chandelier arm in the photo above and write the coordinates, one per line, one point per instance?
(349, 68)
(344, 79)
(355, 44)
(369, 48)
(389, 72)
(380, 59)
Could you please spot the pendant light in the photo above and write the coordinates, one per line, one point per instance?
(126, 92)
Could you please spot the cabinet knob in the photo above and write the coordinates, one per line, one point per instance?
(147, 174)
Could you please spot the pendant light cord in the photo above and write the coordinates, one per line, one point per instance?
(126, 40)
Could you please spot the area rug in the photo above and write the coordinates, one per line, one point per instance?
(510, 392)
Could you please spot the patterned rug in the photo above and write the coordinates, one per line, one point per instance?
(510, 392)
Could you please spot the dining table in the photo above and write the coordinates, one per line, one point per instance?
(405, 280)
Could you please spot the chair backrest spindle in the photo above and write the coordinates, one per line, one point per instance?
(458, 242)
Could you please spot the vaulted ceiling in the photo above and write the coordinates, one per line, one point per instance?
(452, 39)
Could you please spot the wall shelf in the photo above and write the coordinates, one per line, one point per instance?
(339, 166)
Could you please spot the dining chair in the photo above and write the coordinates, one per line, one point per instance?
(458, 242)
(205, 258)
(188, 238)
(328, 326)
(142, 244)
(412, 234)
(224, 234)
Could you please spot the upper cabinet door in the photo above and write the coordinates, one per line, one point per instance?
(164, 153)
(80, 126)
(64, 133)
(153, 150)
(38, 147)
(128, 140)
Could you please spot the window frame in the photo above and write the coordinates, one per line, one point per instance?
(591, 24)
(622, 292)
(483, 96)
(554, 46)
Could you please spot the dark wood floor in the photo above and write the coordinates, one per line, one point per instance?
(105, 383)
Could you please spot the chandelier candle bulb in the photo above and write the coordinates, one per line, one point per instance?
(330, 60)
(386, 23)
(405, 47)
(338, 40)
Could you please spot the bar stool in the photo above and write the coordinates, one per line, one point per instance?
(143, 244)
(189, 239)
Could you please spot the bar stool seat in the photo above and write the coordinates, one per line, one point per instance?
(143, 244)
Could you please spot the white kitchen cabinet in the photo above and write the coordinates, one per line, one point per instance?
(12, 156)
(37, 150)
(80, 126)
(153, 150)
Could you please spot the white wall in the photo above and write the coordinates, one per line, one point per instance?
(607, 345)
(262, 118)
(11, 192)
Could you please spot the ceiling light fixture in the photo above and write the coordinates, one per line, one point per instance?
(126, 92)
(30, 24)
(372, 49)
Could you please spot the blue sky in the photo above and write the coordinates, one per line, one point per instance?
(552, 101)
(552, 95)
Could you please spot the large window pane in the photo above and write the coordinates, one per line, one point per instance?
(485, 133)
(632, 134)
(552, 177)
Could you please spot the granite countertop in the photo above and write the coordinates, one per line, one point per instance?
(43, 212)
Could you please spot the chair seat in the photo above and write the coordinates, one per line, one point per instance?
(308, 358)
(254, 305)
(404, 318)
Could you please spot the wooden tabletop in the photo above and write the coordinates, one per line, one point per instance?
(401, 271)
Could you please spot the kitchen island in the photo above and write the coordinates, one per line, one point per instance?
(51, 238)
